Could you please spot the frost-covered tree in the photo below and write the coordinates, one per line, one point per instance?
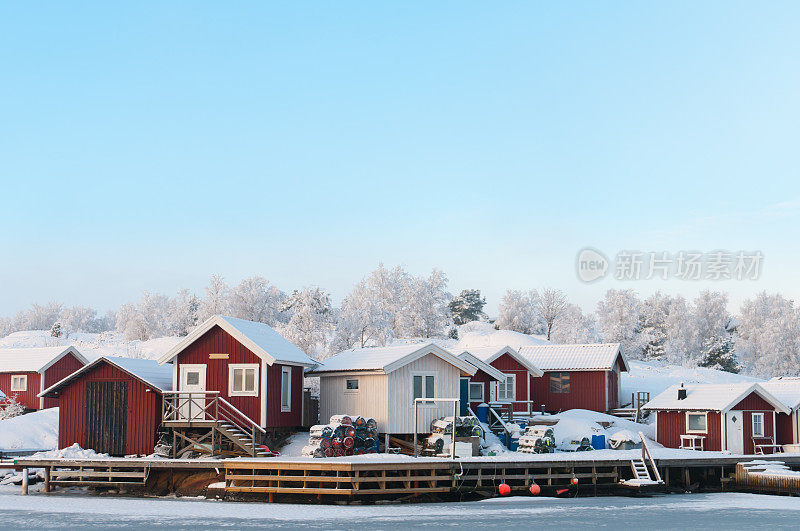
(653, 325)
(183, 313)
(217, 299)
(718, 353)
(11, 408)
(468, 306)
(255, 299)
(5, 326)
(38, 317)
(709, 319)
(311, 320)
(55, 330)
(131, 323)
(549, 305)
(364, 319)
(769, 336)
(573, 326)
(618, 321)
(516, 313)
(426, 306)
(81, 319)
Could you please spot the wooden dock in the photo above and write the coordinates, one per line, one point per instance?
(343, 480)
(755, 477)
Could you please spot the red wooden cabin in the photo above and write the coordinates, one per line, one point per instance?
(576, 376)
(517, 372)
(26, 372)
(248, 364)
(739, 418)
(112, 405)
(475, 388)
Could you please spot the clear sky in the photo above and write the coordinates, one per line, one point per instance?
(148, 146)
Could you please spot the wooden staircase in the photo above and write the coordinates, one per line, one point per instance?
(642, 468)
(207, 423)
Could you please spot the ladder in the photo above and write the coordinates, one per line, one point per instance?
(640, 471)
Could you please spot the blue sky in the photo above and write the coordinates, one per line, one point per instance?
(148, 146)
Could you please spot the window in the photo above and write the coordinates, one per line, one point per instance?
(19, 383)
(286, 388)
(507, 390)
(192, 378)
(476, 391)
(559, 382)
(243, 380)
(424, 387)
(696, 423)
(351, 385)
(758, 424)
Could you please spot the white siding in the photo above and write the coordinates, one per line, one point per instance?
(371, 400)
(401, 412)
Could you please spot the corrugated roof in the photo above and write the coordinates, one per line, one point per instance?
(386, 358)
(149, 371)
(579, 357)
(32, 359)
(258, 337)
(787, 390)
(710, 397)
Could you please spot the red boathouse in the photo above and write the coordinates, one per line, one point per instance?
(248, 364)
(517, 372)
(26, 372)
(581, 376)
(112, 405)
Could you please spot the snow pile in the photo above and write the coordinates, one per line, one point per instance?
(70, 452)
(34, 431)
(657, 376)
(294, 445)
(480, 334)
(770, 468)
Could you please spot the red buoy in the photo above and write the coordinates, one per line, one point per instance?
(574, 481)
(504, 489)
(535, 489)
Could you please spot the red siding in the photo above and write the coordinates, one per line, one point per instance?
(57, 372)
(784, 432)
(753, 402)
(509, 365)
(484, 378)
(144, 410)
(28, 398)
(769, 429)
(587, 390)
(613, 390)
(670, 425)
(219, 341)
(275, 417)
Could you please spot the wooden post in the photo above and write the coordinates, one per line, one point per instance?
(25, 480)
(47, 479)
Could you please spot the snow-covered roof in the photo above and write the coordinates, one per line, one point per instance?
(787, 390)
(34, 359)
(148, 371)
(711, 397)
(482, 366)
(260, 338)
(586, 357)
(476, 334)
(489, 354)
(386, 359)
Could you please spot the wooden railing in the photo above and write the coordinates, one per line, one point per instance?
(648, 458)
(205, 406)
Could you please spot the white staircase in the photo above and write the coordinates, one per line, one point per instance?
(641, 471)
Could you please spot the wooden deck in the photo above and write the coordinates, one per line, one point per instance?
(387, 478)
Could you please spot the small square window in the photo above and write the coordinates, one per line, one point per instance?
(476, 391)
(696, 423)
(559, 382)
(19, 383)
(351, 385)
(758, 424)
(243, 380)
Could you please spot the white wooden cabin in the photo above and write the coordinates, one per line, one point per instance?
(382, 383)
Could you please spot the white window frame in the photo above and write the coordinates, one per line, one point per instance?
(483, 390)
(513, 389)
(243, 367)
(423, 374)
(24, 387)
(705, 415)
(753, 424)
(351, 391)
(286, 372)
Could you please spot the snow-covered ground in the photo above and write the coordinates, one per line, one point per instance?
(657, 376)
(34, 431)
(689, 511)
(92, 345)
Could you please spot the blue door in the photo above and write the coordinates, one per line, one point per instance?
(464, 397)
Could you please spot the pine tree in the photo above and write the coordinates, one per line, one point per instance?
(718, 353)
(55, 330)
(468, 306)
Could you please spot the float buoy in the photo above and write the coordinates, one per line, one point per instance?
(504, 489)
(535, 489)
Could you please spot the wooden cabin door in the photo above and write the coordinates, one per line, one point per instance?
(106, 417)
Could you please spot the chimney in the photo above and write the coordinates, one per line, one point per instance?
(682, 392)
